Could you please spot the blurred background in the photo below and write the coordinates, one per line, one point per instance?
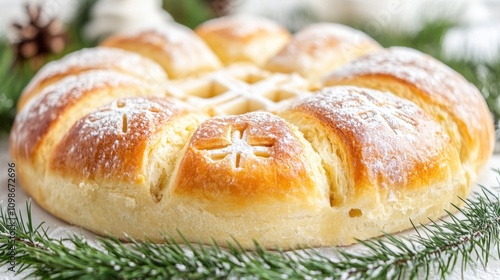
(465, 34)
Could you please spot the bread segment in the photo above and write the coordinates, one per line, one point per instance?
(242, 38)
(456, 104)
(367, 141)
(175, 47)
(250, 177)
(123, 141)
(99, 58)
(120, 158)
(47, 117)
(321, 48)
(250, 163)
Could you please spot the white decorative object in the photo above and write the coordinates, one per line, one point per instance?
(476, 37)
(479, 39)
(293, 14)
(480, 42)
(125, 16)
(14, 10)
(378, 15)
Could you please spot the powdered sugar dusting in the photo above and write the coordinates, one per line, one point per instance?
(109, 141)
(253, 156)
(318, 44)
(172, 33)
(382, 130)
(101, 58)
(439, 82)
(183, 48)
(70, 89)
(41, 111)
(325, 31)
(242, 26)
(256, 134)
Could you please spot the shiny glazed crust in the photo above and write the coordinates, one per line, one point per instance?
(105, 138)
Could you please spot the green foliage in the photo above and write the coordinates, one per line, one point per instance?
(436, 248)
(12, 81)
(76, 38)
(190, 13)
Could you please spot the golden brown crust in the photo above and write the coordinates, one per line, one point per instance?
(321, 48)
(436, 88)
(176, 48)
(247, 160)
(56, 104)
(111, 141)
(99, 58)
(243, 38)
(377, 133)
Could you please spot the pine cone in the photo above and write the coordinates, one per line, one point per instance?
(38, 38)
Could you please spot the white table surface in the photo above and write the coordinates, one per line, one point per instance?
(60, 228)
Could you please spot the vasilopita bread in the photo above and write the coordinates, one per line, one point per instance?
(239, 129)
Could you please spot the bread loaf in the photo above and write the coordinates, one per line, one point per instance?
(240, 130)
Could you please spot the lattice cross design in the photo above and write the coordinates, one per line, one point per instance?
(239, 90)
(239, 146)
(390, 119)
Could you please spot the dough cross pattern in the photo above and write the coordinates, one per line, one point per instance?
(366, 115)
(387, 119)
(105, 113)
(240, 90)
(239, 146)
(119, 105)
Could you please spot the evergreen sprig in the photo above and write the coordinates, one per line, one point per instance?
(12, 81)
(435, 248)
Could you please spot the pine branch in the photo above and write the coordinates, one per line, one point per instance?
(12, 82)
(437, 247)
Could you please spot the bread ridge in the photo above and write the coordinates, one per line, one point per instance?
(88, 59)
(80, 94)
